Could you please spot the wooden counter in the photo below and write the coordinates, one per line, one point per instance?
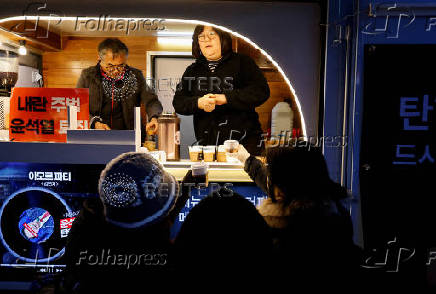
(70, 153)
(218, 171)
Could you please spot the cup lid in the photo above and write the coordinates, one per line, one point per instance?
(196, 148)
(231, 142)
(199, 168)
(209, 148)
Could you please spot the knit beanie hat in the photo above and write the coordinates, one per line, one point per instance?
(136, 191)
(301, 173)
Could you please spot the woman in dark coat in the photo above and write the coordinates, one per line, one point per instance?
(306, 212)
(221, 90)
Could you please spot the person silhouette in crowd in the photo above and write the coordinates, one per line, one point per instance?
(120, 241)
(223, 242)
(306, 212)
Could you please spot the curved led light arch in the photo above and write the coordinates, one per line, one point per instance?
(196, 22)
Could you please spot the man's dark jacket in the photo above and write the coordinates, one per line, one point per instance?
(91, 78)
(245, 88)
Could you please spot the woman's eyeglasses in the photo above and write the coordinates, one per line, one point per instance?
(210, 35)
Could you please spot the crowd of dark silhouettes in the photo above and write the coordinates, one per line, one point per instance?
(300, 237)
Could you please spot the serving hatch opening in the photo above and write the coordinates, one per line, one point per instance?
(69, 44)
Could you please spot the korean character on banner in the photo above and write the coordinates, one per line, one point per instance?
(64, 233)
(58, 176)
(48, 176)
(17, 126)
(408, 110)
(182, 216)
(66, 176)
(47, 126)
(405, 155)
(67, 223)
(427, 155)
(82, 124)
(194, 201)
(33, 103)
(63, 126)
(39, 176)
(252, 200)
(58, 103)
(39, 104)
(73, 102)
(31, 175)
(33, 125)
(64, 224)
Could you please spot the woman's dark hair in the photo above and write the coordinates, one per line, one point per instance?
(114, 45)
(224, 233)
(225, 38)
(301, 173)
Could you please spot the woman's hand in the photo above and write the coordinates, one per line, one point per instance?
(206, 103)
(220, 99)
(101, 126)
(242, 155)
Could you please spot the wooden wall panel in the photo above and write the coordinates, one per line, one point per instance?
(279, 89)
(80, 53)
(62, 69)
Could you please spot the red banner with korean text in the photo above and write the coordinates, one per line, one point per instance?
(41, 114)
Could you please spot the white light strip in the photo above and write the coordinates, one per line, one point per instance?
(175, 34)
(18, 265)
(174, 41)
(196, 22)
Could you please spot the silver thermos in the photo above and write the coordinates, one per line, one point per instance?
(8, 79)
(168, 134)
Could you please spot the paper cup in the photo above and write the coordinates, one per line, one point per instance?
(200, 172)
(221, 154)
(209, 153)
(195, 153)
(231, 146)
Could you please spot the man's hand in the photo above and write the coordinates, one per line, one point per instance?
(206, 103)
(220, 99)
(101, 126)
(151, 127)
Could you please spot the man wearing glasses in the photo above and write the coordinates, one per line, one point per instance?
(115, 89)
